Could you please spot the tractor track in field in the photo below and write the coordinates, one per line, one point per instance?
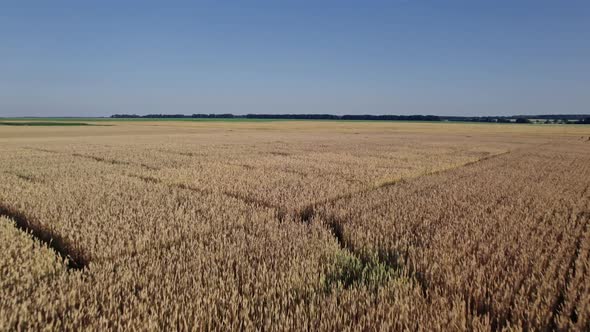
(95, 158)
(59, 245)
(335, 226)
(241, 197)
(114, 161)
(557, 307)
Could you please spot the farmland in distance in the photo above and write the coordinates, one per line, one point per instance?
(295, 225)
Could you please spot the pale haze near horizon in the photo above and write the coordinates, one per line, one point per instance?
(71, 58)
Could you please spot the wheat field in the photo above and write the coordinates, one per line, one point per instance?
(295, 225)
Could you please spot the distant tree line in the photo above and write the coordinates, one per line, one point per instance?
(499, 119)
(285, 116)
(345, 117)
(555, 118)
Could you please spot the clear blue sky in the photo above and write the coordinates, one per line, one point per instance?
(96, 58)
